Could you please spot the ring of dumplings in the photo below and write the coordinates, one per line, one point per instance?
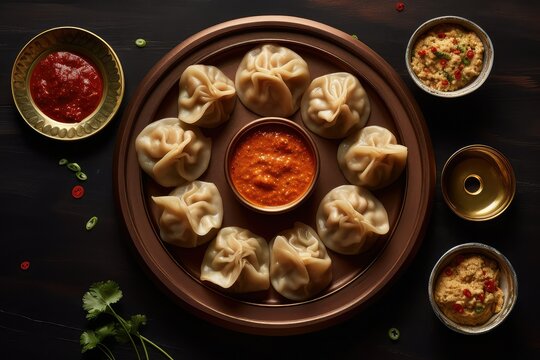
(271, 80)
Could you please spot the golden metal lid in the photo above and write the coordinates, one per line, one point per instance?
(478, 182)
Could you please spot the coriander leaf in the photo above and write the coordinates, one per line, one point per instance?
(88, 340)
(131, 326)
(99, 297)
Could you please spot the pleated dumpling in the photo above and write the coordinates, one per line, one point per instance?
(299, 263)
(173, 153)
(350, 219)
(191, 214)
(371, 157)
(271, 79)
(237, 260)
(207, 96)
(334, 105)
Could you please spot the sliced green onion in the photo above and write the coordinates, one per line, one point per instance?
(140, 43)
(91, 223)
(479, 309)
(393, 333)
(74, 167)
(63, 161)
(354, 36)
(81, 176)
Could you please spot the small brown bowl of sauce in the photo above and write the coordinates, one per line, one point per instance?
(272, 165)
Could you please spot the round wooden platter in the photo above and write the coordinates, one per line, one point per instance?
(357, 280)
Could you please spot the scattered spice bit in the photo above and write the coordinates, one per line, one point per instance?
(77, 192)
(443, 62)
(467, 293)
(490, 286)
(25, 265)
(458, 308)
(422, 53)
(90, 224)
(480, 297)
(63, 162)
(354, 36)
(457, 74)
(400, 6)
(433, 49)
(393, 333)
(470, 54)
(140, 43)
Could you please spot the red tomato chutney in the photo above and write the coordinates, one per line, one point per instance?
(272, 165)
(66, 87)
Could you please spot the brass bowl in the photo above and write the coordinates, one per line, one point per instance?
(478, 183)
(79, 41)
(274, 122)
(489, 54)
(508, 284)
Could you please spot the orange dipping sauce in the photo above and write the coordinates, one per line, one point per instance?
(272, 165)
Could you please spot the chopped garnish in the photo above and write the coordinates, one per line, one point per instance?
(393, 333)
(140, 43)
(81, 176)
(74, 167)
(467, 293)
(90, 224)
(442, 55)
(458, 308)
(470, 54)
(354, 36)
(77, 192)
(63, 161)
(25, 265)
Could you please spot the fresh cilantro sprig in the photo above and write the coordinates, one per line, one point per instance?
(98, 300)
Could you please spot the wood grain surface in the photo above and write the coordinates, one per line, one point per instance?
(40, 308)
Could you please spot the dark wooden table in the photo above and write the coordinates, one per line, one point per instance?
(40, 308)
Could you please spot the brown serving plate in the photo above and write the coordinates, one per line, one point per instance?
(357, 279)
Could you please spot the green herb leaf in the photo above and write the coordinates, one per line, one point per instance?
(465, 61)
(100, 296)
(132, 325)
(88, 340)
(442, 55)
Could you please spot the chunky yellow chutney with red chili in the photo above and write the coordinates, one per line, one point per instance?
(272, 166)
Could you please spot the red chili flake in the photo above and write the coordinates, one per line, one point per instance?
(441, 35)
(480, 297)
(467, 293)
(490, 286)
(444, 82)
(458, 308)
(25, 265)
(457, 74)
(470, 54)
(77, 192)
(400, 6)
(448, 271)
(433, 49)
(443, 62)
(422, 53)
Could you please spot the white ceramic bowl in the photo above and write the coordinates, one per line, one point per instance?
(467, 24)
(507, 283)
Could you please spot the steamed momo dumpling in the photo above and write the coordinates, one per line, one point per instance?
(207, 96)
(372, 157)
(271, 79)
(350, 219)
(173, 153)
(334, 105)
(237, 260)
(299, 264)
(191, 215)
